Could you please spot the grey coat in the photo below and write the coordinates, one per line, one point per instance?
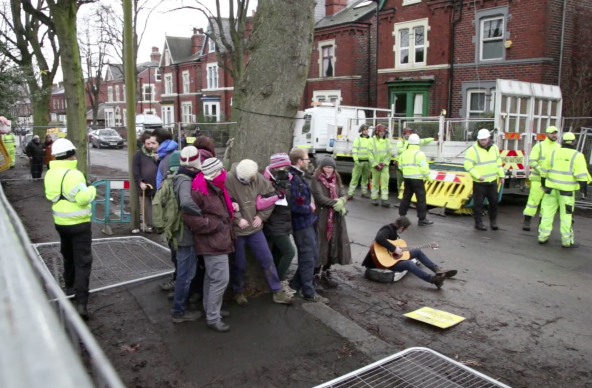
(337, 250)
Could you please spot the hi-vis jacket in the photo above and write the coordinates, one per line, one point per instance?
(361, 149)
(65, 186)
(413, 164)
(564, 168)
(380, 151)
(483, 163)
(539, 153)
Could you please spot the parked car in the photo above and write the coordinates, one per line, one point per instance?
(92, 134)
(107, 138)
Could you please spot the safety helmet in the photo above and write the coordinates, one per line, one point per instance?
(483, 134)
(407, 130)
(63, 148)
(569, 136)
(380, 127)
(414, 139)
(363, 127)
(552, 129)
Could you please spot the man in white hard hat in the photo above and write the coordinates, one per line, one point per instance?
(66, 188)
(484, 164)
(415, 169)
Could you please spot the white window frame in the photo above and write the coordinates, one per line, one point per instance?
(110, 94)
(168, 83)
(483, 39)
(186, 82)
(321, 45)
(411, 26)
(186, 112)
(54, 103)
(167, 58)
(109, 117)
(123, 96)
(157, 75)
(212, 76)
(165, 117)
(411, 2)
(153, 92)
(117, 117)
(208, 109)
(211, 45)
(117, 93)
(327, 96)
(124, 117)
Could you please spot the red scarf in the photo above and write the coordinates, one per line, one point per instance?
(200, 184)
(329, 183)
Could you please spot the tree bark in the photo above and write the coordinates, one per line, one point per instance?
(63, 14)
(269, 94)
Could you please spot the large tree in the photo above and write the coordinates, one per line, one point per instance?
(23, 40)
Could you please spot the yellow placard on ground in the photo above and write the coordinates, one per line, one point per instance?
(434, 317)
(49, 131)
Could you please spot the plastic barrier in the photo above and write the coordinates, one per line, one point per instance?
(451, 190)
(4, 158)
(111, 184)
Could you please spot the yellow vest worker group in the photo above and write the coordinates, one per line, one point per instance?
(9, 142)
(537, 156)
(71, 199)
(563, 172)
(415, 169)
(379, 158)
(361, 170)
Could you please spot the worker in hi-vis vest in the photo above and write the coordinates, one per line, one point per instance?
(361, 170)
(401, 147)
(564, 172)
(484, 164)
(537, 156)
(380, 158)
(9, 142)
(66, 188)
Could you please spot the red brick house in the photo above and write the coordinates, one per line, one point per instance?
(489, 39)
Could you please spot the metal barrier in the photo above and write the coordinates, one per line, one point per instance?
(36, 350)
(124, 217)
(415, 368)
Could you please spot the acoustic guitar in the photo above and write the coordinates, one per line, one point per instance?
(384, 259)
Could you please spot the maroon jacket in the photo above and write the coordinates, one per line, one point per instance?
(213, 231)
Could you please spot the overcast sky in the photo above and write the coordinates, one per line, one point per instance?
(161, 22)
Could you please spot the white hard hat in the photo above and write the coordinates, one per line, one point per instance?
(483, 134)
(61, 147)
(414, 139)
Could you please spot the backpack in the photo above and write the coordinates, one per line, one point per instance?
(166, 215)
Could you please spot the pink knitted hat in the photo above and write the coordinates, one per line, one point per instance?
(279, 160)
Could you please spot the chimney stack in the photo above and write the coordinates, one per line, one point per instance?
(197, 40)
(155, 54)
(334, 6)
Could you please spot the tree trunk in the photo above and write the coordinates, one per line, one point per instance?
(270, 92)
(63, 14)
(40, 101)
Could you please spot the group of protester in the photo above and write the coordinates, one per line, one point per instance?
(39, 154)
(220, 213)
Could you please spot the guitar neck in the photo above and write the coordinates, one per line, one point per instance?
(407, 249)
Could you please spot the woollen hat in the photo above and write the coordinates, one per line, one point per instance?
(279, 160)
(174, 161)
(210, 167)
(328, 162)
(190, 157)
(246, 169)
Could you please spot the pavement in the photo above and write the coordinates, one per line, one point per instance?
(527, 308)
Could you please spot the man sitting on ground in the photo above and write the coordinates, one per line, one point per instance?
(392, 232)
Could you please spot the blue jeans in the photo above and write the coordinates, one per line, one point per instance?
(408, 265)
(186, 267)
(306, 244)
(258, 244)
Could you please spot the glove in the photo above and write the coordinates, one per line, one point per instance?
(339, 205)
(343, 211)
(379, 167)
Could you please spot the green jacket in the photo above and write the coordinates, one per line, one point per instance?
(361, 149)
(380, 151)
(65, 186)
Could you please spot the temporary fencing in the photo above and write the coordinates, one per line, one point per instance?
(43, 344)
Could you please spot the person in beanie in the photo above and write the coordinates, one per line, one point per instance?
(36, 154)
(185, 258)
(361, 167)
(245, 184)
(304, 233)
(278, 227)
(333, 241)
(164, 146)
(380, 159)
(71, 199)
(213, 236)
(144, 169)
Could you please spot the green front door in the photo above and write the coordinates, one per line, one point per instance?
(410, 98)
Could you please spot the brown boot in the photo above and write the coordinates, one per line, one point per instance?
(445, 272)
(438, 280)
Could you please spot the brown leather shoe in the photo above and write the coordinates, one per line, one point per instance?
(438, 280)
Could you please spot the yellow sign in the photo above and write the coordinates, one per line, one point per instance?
(434, 317)
(52, 130)
(191, 140)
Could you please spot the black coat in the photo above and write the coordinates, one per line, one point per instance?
(36, 151)
(387, 232)
(279, 222)
(144, 169)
